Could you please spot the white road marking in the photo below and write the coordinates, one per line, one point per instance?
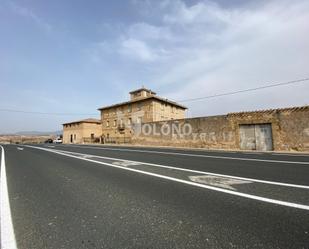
(19, 148)
(191, 155)
(125, 163)
(287, 154)
(231, 192)
(187, 170)
(87, 156)
(8, 240)
(252, 153)
(222, 182)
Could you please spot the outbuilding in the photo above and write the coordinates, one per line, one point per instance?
(82, 131)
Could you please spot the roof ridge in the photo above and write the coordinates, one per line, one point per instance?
(295, 108)
(86, 120)
(142, 99)
(142, 88)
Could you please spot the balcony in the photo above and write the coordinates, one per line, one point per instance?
(121, 127)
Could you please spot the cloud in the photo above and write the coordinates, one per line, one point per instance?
(246, 41)
(148, 32)
(202, 12)
(206, 49)
(28, 13)
(141, 42)
(137, 49)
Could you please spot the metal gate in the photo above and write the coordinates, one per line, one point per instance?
(256, 137)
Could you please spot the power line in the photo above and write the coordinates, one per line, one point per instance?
(48, 113)
(245, 90)
(184, 100)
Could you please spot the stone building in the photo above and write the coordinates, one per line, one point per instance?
(144, 105)
(82, 131)
(147, 119)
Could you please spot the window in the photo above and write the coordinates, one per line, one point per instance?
(107, 123)
(139, 106)
(115, 122)
(137, 94)
(74, 136)
(129, 108)
(129, 121)
(92, 135)
(139, 120)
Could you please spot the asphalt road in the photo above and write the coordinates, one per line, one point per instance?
(64, 196)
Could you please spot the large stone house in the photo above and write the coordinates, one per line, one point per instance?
(144, 106)
(82, 131)
(118, 120)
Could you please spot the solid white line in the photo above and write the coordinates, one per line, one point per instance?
(287, 154)
(7, 231)
(192, 155)
(231, 192)
(252, 153)
(192, 171)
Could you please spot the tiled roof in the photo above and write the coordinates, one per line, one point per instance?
(87, 120)
(141, 89)
(269, 111)
(142, 99)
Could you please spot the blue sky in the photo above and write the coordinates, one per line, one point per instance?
(74, 56)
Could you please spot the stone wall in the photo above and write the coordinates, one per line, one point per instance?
(290, 130)
(294, 130)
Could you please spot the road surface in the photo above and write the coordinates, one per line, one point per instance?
(75, 196)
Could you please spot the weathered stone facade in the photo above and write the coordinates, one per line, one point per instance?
(144, 106)
(289, 130)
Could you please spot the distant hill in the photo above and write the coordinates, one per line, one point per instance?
(37, 133)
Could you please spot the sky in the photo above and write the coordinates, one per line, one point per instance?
(75, 56)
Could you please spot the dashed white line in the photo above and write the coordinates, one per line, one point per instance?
(231, 192)
(187, 170)
(8, 240)
(193, 155)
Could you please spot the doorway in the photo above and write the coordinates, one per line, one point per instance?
(256, 137)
